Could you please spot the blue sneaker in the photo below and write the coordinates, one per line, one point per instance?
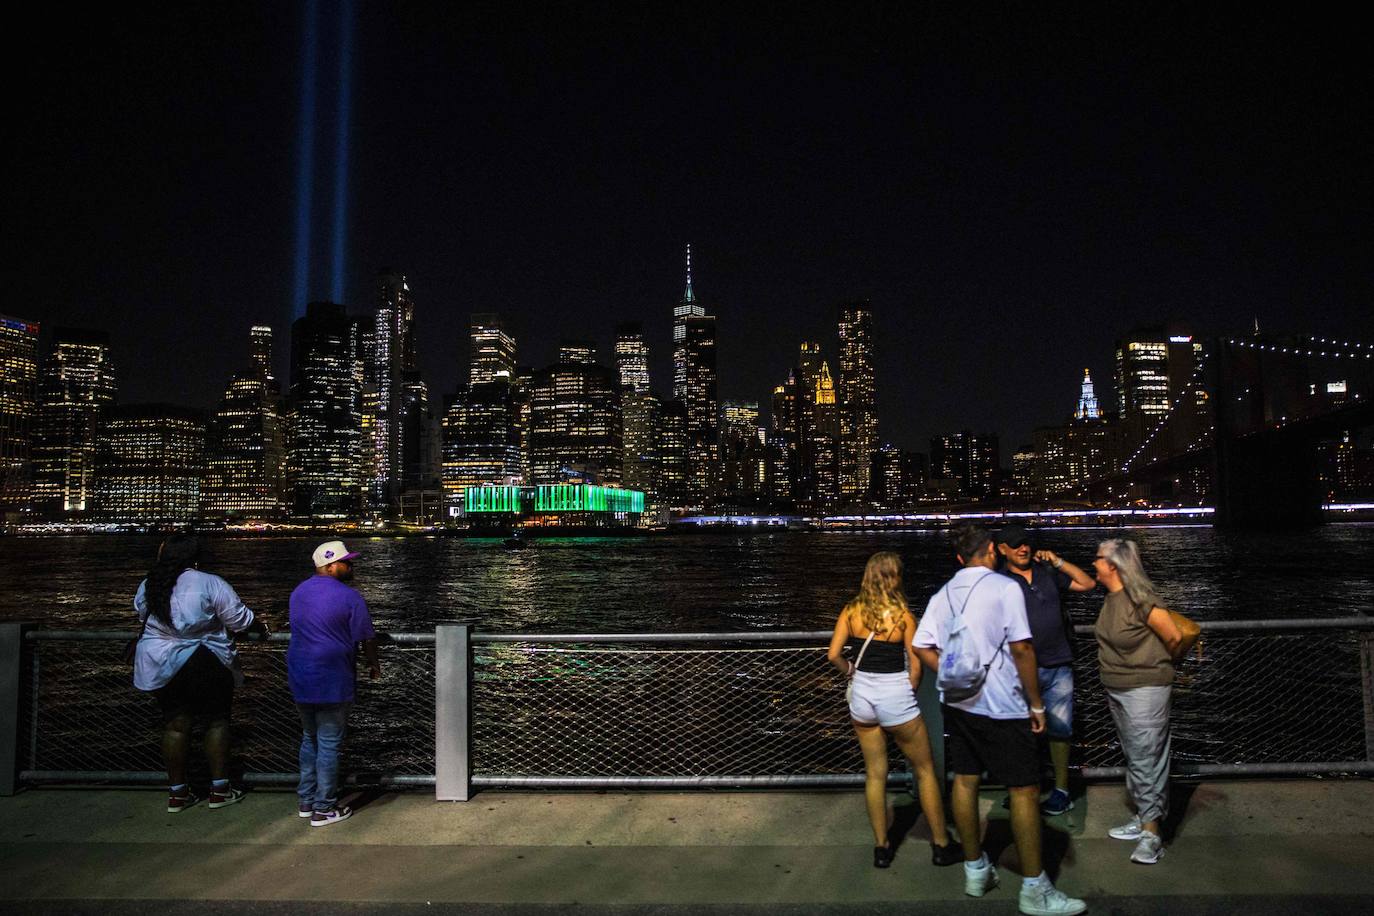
(1058, 803)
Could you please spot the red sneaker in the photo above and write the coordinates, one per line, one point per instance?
(225, 798)
(180, 802)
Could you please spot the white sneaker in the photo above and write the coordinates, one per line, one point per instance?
(1148, 850)
(978, 881)
(1130, 830)
(1047, 900)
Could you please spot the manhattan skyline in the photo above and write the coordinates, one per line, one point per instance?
(1010, 191)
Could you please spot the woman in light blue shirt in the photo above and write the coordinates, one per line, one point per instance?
(186, 659)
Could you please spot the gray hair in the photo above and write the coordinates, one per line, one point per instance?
(1125, 556)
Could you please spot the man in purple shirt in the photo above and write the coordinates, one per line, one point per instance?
(328, 621)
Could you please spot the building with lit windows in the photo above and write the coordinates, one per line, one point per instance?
(694, 384)
(324, 439)
(18, 410)
(575, 425)
(554, 506)
(858, 412)
(743, 454)
(244, 454)
(481, 440)
(969, 462)
(1160, 387)
(149, 465)
(824, 444)
(670, 478)
(784, 453)
(76, 389)
(639, 409)
(392, 358)
(491, 350)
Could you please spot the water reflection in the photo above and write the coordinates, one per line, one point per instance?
(773, 580)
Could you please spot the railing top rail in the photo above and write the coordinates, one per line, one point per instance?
(1355, 622)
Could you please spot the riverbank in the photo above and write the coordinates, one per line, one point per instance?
(1262, 847)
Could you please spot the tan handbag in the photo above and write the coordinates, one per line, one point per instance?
(1190, 632)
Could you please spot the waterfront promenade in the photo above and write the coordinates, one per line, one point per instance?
(1239, 846)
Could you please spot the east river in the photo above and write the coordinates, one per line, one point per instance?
(706, 582)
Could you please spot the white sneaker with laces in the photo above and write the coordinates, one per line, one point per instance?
(978, 881)
(1148, 850)
(1130, 830)
(1047, 900)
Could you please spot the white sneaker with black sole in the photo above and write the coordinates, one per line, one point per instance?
(1148, 850)
(1131, 830)
(1047, 900)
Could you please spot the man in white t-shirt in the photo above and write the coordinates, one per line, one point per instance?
(994, 730)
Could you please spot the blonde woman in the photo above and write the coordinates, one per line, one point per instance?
(1136, 641)
(877, 626)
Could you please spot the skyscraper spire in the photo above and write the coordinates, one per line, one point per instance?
(687, 296)
(1087, 401)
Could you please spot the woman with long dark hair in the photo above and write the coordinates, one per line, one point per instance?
(1136, 642)
(186, 659)
(878, 628)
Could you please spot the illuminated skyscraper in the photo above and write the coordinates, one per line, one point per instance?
(744, 459)
(76, 390)
(671, 485)
(481, 439)
(581, 352)
(694, 384)
(491, 351)
(1160, 387)
(783, 442)
(393, 355)
(325, 429)
(858, 407)
(245, 444)
(575, 425)
(639, 410)
(1087, 401)
(825, 442)
(18, 410)
(149, 465)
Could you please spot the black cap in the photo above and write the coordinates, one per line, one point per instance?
(1013, 536)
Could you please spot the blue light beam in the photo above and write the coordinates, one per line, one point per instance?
(343, 116)
(305, 167)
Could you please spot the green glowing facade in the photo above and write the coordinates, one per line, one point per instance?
(552, 498)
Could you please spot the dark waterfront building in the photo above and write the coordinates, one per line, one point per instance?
(694, 384)
(969, 462)
(149, 465)
(18, 411)
(491, 350)
(324, 443)
(575, 424)
(898, 479)
(392, 369)
(481, 440)
(76, 389)
(670, 482)
(858, 411)
(744, 458)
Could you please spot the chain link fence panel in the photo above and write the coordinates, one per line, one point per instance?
(82, 713)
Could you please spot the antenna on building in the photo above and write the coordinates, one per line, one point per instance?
(1256, 329)
(687, 296)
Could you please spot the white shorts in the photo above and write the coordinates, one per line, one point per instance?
(883, 698)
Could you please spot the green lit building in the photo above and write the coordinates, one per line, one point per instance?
(554, 505)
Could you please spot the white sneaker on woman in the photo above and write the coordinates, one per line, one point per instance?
(1149, 849)
(978, 881)
(1047, 900)
(1130, 830)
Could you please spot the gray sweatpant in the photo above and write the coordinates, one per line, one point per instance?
(1141, 715)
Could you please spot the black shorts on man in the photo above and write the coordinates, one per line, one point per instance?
(1005, 749)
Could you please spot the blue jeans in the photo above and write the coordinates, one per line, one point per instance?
(1056, 692)
(323, 727)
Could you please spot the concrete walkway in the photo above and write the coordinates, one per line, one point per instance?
(1258, 847)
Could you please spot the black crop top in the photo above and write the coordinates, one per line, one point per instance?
(880, 657)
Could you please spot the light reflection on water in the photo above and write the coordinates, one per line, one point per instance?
(724, 582)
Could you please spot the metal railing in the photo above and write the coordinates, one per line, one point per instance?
(456, 709)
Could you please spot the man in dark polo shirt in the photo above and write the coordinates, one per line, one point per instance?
(1043, 576)
(328, 621)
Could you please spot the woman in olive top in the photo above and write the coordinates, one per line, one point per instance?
(1136, 641)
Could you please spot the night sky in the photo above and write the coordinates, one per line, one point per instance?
(1010, 187)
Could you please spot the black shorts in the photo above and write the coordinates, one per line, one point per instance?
(1003, 748)
(201, 687)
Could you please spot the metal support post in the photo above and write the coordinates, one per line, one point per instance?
(452, 712)
(11, 671)
(1367, 680)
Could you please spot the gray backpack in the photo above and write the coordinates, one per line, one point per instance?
(962, 672)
